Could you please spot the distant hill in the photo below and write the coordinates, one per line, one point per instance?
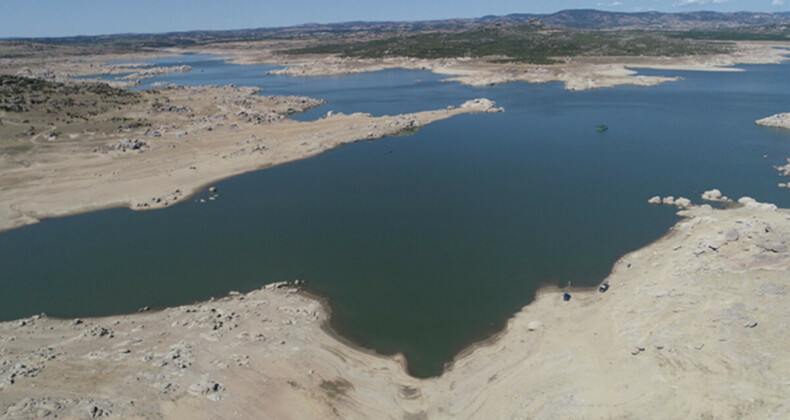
(566, 19)
(596, 19)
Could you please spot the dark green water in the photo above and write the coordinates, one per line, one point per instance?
(425, 250)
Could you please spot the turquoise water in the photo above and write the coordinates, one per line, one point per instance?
(432, 247)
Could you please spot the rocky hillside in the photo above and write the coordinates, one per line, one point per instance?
(596, 19)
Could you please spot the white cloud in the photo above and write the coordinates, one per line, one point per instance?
(612, 4)
(778, 3)
(685, 3)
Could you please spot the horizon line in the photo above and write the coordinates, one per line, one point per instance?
(33, 38)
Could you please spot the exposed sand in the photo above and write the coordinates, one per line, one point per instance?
(578, 73)
(693, 326)
(196, 136)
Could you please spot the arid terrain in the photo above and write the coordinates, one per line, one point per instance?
(691, 326)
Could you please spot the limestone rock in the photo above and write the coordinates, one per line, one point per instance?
(711, 195)
(750, 202)
(714, 195)
(682, 203)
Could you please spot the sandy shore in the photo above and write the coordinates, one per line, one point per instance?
(165, 145)
(698, 318)
(578, 73)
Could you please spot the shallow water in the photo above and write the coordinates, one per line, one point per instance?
(433, 246)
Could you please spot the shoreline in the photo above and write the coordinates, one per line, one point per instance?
(269, 351)
(201, 135)
(577, 73)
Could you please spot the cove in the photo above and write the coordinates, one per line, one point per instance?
(432, 247)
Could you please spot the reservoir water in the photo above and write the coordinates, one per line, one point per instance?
(433, 246)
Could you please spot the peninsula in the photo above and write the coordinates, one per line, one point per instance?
(72, 148)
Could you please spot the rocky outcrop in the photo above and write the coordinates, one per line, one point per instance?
(716, 196)
(129, 144)
(481, 105)
(156, 71)
(294, 103)
(164, 106)
(680, 202)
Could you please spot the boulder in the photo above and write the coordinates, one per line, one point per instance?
(776, 247)
(205, 387)
(750, 202)
(713, 195)
(128, 144)
(682, 203)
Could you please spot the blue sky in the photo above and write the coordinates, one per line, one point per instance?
(34, 18)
